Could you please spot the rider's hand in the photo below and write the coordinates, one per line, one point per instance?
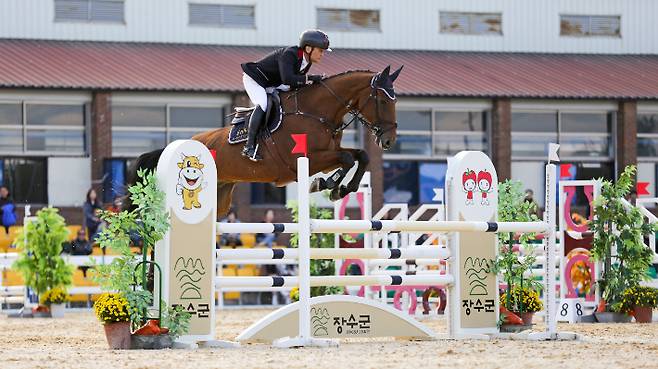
(314, 78)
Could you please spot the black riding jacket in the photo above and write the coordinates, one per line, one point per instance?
(281, 66)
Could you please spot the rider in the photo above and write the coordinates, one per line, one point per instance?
(282, 68)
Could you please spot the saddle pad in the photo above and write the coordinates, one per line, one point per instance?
(274, 117)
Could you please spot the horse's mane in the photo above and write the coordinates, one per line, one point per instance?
(349, 72)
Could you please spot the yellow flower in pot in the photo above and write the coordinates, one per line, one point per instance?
(114, 312)
(524, 302)
(55, 299)
(639, 302)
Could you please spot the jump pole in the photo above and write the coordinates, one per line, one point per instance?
(551, 332)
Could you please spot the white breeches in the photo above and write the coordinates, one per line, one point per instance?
(257, 94)
(255, 91)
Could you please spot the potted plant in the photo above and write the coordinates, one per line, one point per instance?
(318, 240)
(39, 247)
(619, 227)
(523, 301)
(639, 302)
(113, 311)
(56, 299)
(132, 278)
(513, 208)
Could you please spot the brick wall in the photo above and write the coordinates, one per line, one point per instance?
(101, 137)
(501, 138)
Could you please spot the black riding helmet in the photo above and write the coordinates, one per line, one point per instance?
(314, 38)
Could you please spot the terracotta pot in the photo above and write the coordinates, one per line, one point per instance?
(526, 317)
(118, 335)
(642, 314)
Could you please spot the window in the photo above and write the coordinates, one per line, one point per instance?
(458, 131)
(532, 132)
(580, 135)
(438, 134)
(25, 178)
(141, 128)
(220, 15)
(349, 20)
(27, 127)
(471, 23)
(585, 135)
(647, 136)
(414, 133)
(590, 25)
(108, 11)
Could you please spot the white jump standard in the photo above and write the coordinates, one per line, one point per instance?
(186, 173)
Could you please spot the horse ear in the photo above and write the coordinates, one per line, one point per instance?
(384, 74)
(395, 74)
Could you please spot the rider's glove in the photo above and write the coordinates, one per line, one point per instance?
(314, 78)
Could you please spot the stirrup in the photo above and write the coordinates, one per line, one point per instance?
(252, 153)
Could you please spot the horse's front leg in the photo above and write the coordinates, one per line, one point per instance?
(322, 161)
(362, 159)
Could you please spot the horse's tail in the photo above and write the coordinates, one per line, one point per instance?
(147, 161)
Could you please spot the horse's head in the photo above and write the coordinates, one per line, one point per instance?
(379, 108)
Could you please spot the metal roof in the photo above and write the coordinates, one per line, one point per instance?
(213, 68)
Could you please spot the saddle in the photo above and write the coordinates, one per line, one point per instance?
(273, 118)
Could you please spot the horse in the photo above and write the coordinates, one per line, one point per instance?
(317, 110)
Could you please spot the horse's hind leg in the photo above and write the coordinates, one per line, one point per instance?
(224, 196)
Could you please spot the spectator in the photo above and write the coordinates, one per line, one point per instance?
(92, 209)
(266, 239)
(7, 209)
(534, 208)
(230, 239)
(80, 245)
(116, 205)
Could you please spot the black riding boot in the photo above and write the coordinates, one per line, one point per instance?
(250, 150)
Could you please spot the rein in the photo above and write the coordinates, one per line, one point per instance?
(354, 111)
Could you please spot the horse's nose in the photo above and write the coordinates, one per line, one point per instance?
(386, 143)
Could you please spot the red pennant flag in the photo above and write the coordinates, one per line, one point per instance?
(642, 188)
(300, 144)
(565, 170)
(214, 154)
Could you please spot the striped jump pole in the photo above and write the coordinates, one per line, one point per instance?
(419, 252)
(360, 226)
(342, 280)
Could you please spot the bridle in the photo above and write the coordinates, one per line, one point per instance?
(356, 111)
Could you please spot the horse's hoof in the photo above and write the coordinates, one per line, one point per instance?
(338, 193)
(317, 185)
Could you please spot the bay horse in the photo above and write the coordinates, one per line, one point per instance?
(317, 110)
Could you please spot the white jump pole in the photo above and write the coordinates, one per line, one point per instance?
(551, 332)
(304, 265)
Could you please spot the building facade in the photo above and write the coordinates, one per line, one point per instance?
(87, 85)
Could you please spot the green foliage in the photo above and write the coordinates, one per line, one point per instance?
(40, 246)
(177, 319)
(151, 220)
(616, 226)
(512, 207)
(318, 240)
